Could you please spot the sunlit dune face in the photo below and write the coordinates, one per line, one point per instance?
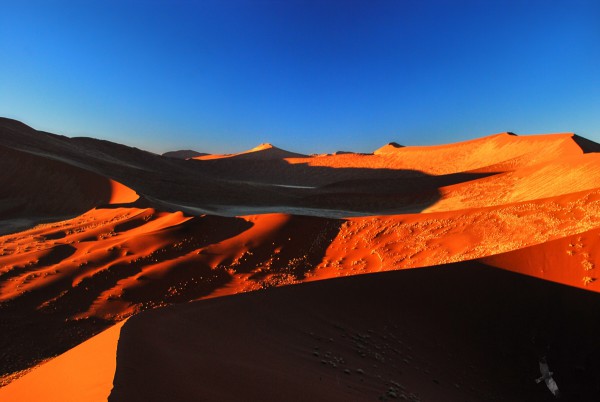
(210, 157)
(503, 152)
(571, 260)
(121, 194)
(85, 373)
(568, 174)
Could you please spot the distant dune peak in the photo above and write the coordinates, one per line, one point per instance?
(267, 151)
(263, 147)
(388, 148)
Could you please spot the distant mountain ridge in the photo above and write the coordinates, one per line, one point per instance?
(183, 154)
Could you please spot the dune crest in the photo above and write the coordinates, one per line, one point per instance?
(265, 151)
(388, 148)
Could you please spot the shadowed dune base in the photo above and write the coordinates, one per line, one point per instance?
(34, 188)
(461, 332)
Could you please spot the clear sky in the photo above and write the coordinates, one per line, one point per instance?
(308, 76)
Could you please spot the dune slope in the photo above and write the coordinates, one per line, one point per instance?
(32, 185)
(84, 373)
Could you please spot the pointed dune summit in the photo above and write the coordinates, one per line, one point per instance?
(388, 148)
(264, 151)
(267, 151)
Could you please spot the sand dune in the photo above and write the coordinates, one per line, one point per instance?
(565, 175)
(364, 338)
(389, 148)
(32, 185)
(412, 180)
(110, 263)
(495, 153)
(267, 151)
(125, 231)
(503, 152)
(571, 260)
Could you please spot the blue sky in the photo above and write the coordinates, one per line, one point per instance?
(309, 76)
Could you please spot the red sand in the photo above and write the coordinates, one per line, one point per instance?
(84, 373)
(527, 204)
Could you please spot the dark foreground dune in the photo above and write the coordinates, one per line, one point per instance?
(461, 332)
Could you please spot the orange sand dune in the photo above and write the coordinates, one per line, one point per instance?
(513, 151)
(509, 201)
(121, 194)
(145, 251)
(388, 148)
(502, 151)
(110, 263)
(565, 175)
(406, 179)
(571, 260)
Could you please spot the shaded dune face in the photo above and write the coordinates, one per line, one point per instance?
(32, 185)
(253, 179)
(457, 333)
(147, 231)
